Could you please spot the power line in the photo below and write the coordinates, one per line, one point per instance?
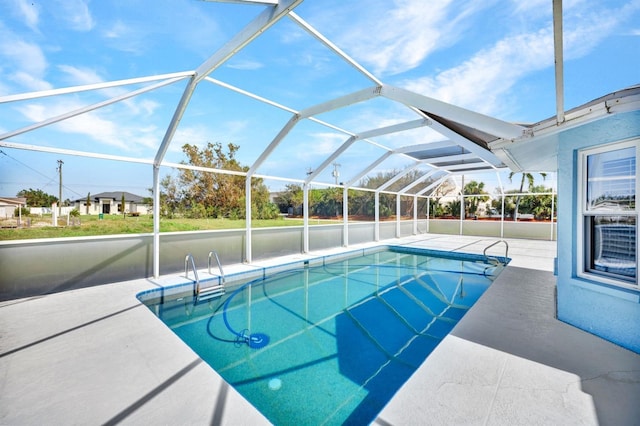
(41, 186)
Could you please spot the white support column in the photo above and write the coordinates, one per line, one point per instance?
(248, 255)
(553, 191)
(376, 206)
(305, 216)
(559, 60)
(428, 212)
(398, 213)
(345, 217)
(415, 215)
(502, 218)
(156, 221)
(462, 205)
(502, 211)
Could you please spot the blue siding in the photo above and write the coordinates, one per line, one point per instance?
(609, 312)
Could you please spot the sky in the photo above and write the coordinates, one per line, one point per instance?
(493, 57)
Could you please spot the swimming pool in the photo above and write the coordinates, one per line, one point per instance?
(328, 341)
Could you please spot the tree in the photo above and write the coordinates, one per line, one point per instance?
(529, 177)
(199, 193)
(452, 208)
(122, 204)
(538, 205)
(471, 203)
(170, 199)
(88, 202)
(290, 198)
(445, 188)
(37, 198)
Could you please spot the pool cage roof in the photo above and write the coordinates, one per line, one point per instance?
(462, 145)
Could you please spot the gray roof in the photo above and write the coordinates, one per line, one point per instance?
(116, 196)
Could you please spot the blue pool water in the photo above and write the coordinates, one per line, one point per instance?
(337, 339)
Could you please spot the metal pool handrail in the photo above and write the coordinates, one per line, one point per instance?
(189, 259)
(506, 251)
(214, 253)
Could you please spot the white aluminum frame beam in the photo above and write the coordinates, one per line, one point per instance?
(417, 181)
(322, 39)
(75, 153)
(399, 176)
(342, 101)
(487, 124)
(90, 87)
(395, 128)
(471, 166)
(371, 166)
(559, 60)
(434, 184)
(425, 146)
(89, 108)
(250, 32)
(460, 140)
(458, 157)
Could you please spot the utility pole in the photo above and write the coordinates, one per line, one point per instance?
(60, 163)
(336, 171)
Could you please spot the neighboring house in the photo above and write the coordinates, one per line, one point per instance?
(111, 203)
(595, 152)
(8, 206)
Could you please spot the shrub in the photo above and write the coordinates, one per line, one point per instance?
(25, 211)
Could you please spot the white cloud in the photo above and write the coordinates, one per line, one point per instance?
(76, 13)
(124, 37)
(80, 76)
(244, 64)
(399, 37)
(111, 127)
(30, 81)
(24, 63)
(117, 30)
(482, 81)
(30, 12)
(316, 147)
(90, 124)
(479, 82)
(586, 28)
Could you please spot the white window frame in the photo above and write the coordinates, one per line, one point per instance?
(582, 213)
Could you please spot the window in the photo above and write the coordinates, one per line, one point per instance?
(609, 215)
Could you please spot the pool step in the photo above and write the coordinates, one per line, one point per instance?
(209, 293)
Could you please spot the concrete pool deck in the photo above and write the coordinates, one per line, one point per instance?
(97, 356)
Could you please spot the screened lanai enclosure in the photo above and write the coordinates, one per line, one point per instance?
(309, 127)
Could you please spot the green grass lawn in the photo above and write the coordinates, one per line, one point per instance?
(112, 224)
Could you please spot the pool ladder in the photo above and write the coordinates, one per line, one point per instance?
(493, 258)
(200, 291)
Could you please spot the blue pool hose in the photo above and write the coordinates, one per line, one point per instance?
(254, 340)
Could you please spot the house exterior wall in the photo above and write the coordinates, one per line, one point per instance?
(97, 207)
(608, 311)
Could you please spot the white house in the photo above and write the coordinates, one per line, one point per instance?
(111, 203)
(8, 206)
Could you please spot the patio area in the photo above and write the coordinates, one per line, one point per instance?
(98, 356)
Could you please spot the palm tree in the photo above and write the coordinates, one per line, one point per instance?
(475, 188)
(529, 177)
